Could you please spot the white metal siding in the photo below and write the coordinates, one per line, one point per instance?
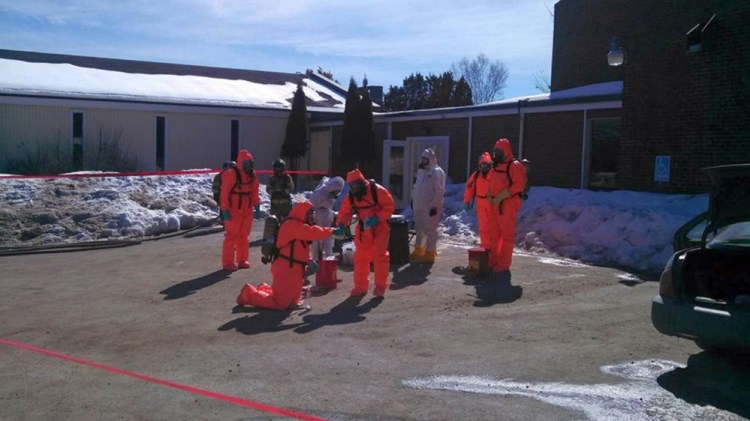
(25, 128)
(194, 139)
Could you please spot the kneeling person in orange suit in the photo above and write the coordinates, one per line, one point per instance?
(374, 206)
(295, 235)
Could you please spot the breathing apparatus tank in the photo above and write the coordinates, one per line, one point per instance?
(268, 247)
(527, 169)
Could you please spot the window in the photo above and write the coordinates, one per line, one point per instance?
(235, 139)
(77, 140)
(604, 155)
(161, 134)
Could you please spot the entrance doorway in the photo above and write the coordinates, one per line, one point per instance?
(400, 161)
(603, 153)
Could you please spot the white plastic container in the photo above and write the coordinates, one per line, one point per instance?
(347, 253)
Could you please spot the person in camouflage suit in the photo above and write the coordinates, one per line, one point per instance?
(280, 187)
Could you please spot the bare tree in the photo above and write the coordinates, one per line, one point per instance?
(541, 81)
(486, 78)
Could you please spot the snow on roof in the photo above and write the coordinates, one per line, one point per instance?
(67, 80)
(596, 89)
(313, 90)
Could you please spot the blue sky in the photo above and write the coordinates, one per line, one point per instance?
(385, 40)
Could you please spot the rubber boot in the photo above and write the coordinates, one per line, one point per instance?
(427, 257)
(245, 293)
(417, 253)
(379, 292)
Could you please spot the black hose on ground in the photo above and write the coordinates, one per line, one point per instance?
(96, 245)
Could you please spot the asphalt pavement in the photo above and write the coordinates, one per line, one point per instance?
(152, 332)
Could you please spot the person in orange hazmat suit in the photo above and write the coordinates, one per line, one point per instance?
(374, 206)
(239, 197)
(295, 235)
(476, 192)
(507, 183)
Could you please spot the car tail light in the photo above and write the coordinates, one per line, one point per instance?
(666, 283)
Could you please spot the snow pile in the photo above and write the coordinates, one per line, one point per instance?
(621, 228)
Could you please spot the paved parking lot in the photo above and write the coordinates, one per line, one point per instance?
(151, 332)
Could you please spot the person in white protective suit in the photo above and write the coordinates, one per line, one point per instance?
(323, 198)
(427, 200)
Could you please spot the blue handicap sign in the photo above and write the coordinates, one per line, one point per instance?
(662, 168)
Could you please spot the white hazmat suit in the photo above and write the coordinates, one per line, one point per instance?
(427, 201)
(323, 198)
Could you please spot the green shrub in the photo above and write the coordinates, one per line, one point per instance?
(104, 153)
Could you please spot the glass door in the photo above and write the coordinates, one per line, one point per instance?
(394, 160)
(401, 160)
(603, 153)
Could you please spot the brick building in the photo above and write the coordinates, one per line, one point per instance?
(686, 81)
(680, 102)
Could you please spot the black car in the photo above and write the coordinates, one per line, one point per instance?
(704, 291)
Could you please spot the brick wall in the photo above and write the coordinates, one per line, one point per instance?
(693, 107)
(370, 169)
(457, 129)
(582, 35)
(552, 142)
(487, 130)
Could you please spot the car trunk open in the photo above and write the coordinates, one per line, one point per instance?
(722, 275)
(721, 271)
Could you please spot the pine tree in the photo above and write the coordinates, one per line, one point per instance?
(349, 133)
(366, 145)
(434, 91)
(297, 136)
(462, 95)
(395, 99)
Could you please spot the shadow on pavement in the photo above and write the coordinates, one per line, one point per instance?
(346, 312)
(267, 321)
(718, 379)
(493, 288)
(410, 275)
(264, 321)
(185, 288)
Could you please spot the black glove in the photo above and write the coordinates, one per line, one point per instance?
(433, 211)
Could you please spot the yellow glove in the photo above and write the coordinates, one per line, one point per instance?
(495, 199)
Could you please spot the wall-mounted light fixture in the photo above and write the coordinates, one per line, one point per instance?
(616, 55)
(701, 36)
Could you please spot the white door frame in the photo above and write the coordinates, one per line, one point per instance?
(401, 202)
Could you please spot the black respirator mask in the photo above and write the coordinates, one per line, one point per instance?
(424, 163)
(248, 166)
(310, 217)
(357, 188)
(484, 167)
(334, 194)
(497, 156)
(278, 170)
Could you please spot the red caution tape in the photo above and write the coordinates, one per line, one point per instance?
(148, 174)
(195, 390)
